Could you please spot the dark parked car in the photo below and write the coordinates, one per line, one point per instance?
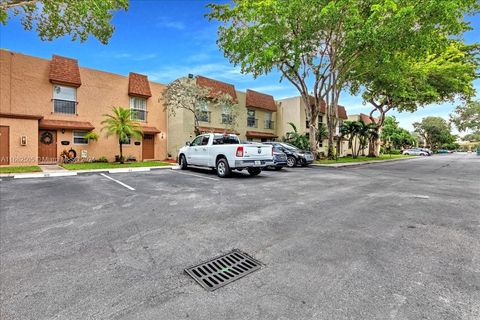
(279, 159)
(294, 155)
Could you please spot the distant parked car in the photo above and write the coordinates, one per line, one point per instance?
(444, 151)
(295, 156)
(415, 152)
(430, 152)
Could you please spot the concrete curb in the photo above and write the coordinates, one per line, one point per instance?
(351, 164)
(79, 172)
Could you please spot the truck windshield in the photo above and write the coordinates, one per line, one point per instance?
(225, 139)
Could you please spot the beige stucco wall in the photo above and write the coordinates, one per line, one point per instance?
(25, 89)
(22, 155)
(180, 126)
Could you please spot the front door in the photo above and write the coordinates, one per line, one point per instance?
(47, 147)
(4, 145)
(148, 149)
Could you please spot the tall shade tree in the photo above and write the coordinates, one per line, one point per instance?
(299, 39)
(435, 131)
(185, 94)
(316, 43)
(467, 117)
(120, 124)
(438, 68)
(57, 18)
(394, 136)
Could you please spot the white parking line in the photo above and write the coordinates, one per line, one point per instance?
(195, 175)
(119, 182)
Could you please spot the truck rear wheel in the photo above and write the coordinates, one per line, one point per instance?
(254, 171)
(223, 169)
(183, 162)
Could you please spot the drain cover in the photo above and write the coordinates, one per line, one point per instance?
(224, 269)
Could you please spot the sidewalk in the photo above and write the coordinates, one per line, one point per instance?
(350, 164)
(52, 171)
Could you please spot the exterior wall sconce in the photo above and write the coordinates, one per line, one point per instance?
(63, 131)
(23, 140)
(162, 136)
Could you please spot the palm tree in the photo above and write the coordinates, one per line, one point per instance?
(120, 123)
(297, 139)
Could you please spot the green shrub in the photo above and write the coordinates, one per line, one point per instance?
(102, 159)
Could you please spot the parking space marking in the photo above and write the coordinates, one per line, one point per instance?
(195, 175)
(119, 182)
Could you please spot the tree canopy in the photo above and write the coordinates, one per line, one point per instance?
(185, 94)
(323, 46)
(436, 132)
(394, 136)
(55, 18)
(467, 116)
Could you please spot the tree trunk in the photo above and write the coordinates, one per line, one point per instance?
(312, 140)
(339, 145)
(372, 147)
(121, 152)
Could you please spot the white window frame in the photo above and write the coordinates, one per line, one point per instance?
(81, 137)
(56, 96)
(135, 107)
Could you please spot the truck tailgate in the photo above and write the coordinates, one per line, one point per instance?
(257, 152)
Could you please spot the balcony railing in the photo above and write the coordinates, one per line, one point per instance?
(227, 119)
(204, 116)
(269, 124)
(64, 106)
(252, 122)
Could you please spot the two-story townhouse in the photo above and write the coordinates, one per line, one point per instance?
(253, 119)
(47, 106)
(292, 110)
(366, 119)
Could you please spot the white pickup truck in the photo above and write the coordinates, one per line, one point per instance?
(225, 153)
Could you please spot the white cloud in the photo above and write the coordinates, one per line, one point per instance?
(166, 22)
(268, 88)
(218, 71)
(128, 56)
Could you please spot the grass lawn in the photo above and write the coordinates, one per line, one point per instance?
(20, 169)
(113, 165)
(361, 159)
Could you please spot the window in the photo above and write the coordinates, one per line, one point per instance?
(205, 140)
(197, 141)
(307, 124)
(138, 108)
(79, 137)
(320, 120)
(202, 111)
(227, 115)
(251, 121)
(225, 139)
(268, 120)
(64, 99)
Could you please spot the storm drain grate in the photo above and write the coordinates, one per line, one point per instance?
(224, 269)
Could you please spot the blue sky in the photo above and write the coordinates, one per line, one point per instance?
(169, 39)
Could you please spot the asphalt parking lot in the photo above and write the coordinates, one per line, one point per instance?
(397, 240)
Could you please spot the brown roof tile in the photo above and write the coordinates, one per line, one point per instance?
(217, 87)
(366, 119)
(20, 116)
(260, 100)
(64, 71)
(65, 124)
(258, 134)
(150, 130)
(138, 85)
(216, 130)
(342, 113)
